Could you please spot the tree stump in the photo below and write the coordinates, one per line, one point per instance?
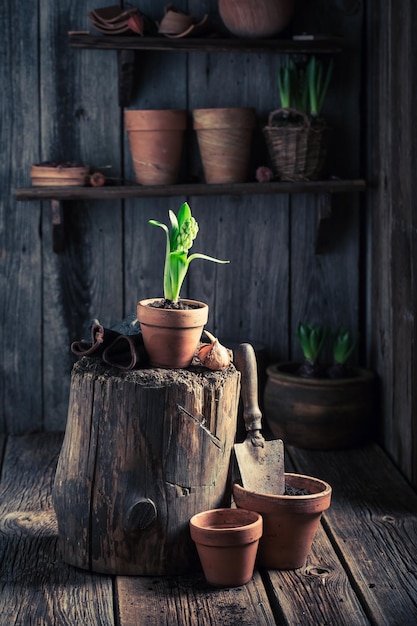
(143, 452)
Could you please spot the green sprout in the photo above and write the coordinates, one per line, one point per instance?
(343, 345)
(311, 339)
(292, 87)
(184, 229)
(318, 83)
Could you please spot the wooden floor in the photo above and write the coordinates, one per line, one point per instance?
(362, 568)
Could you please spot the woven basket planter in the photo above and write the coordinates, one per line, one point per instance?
(297, 150)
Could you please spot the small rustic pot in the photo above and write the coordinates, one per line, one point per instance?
(319, 413)
(227, 542)
(256, 18)
(224, 138)
(290, 521)
(59, 176)
(156, 139)
(171, 336)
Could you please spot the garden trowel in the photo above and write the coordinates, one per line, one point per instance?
(260, 462)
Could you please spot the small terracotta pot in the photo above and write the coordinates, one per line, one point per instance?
(171, 336)
(319, 413)
(224, 138)
(290, 522)
(156, 140)
(256, 18)
(227, 542)
(59, 176)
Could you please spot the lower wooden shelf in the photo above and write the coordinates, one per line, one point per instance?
(111, 192)
(57, 195)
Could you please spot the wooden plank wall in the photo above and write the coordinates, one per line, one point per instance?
(62, 104)
(392, 202)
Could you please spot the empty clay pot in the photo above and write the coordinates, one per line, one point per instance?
(156, 140)
(224, 138)
(256, 18)
(227, 542)
(290, 521)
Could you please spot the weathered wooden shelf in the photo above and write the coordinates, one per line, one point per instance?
(188, 189)
(129, 46)
(322, 45)
(57, 195)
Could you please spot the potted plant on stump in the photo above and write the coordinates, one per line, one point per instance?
(172, 326)
(296, 134)
(316, 406)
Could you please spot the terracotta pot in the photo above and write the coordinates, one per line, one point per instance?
(256, 18)
(319, 413)
(224, 138)
(156, 140)
(227, 542)
(290, 522)
(59, 176)
(171, 336)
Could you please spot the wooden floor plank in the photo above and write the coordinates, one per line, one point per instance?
(35, 586)
(189, 601)
(372, 522)
(319, 592)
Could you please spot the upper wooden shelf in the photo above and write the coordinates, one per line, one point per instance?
(188, 189)
(320, 45)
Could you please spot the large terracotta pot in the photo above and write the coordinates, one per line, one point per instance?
(319, 413)
(224, 138)
(171, 336)
(290, 521)
(156, 140)
(256, 18)
(227, 542)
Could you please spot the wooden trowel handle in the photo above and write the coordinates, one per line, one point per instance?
(245, 361)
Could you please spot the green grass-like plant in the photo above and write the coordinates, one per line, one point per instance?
(312, 339)
(179, 239)
(343, 345)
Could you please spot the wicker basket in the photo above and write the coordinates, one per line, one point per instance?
(297, 151)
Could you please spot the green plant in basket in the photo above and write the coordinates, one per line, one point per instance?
(179, 240)
(318, 80)
(296, 134)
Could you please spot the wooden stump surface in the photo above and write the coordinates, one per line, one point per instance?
(135, 466)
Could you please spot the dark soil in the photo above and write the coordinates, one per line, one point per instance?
(293, 491)
(169, 304)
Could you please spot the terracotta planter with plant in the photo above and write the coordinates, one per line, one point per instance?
(296, 134)
(290, 520)
(156, 139)
(171, 326)
(227, 543)
(224, 138)
(256, 18)
(316, 406)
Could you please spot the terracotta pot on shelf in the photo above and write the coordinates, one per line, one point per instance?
(256, 18)
(156, 139)
(60, 175)
(290, 521)
(319, 413)
(227, 543)
(224, 138)
(171, 336)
